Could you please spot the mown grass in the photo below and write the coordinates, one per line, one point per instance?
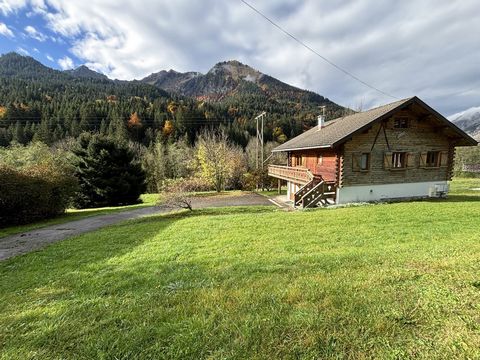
(464, 186)
(389, 281)
(77, 214)
(273, 192)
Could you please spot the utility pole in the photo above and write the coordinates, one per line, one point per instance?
(259, 149)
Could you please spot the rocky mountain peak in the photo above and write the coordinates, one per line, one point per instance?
(84, 71)
(236, 70)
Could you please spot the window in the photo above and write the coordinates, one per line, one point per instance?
(365, 161)
(433, 159)
(297, 160)
(400, 122)
(399, 160)
(319, 160)
(361, 161)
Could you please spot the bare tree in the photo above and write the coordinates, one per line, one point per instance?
(177, 195)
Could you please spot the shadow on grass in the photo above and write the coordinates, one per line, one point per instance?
(211, 211)
(70, 215)
(93, 277)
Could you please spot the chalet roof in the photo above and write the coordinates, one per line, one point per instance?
(341, 129)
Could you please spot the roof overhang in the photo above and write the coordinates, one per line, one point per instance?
(462, 138)
(304, 148)
(465, 139)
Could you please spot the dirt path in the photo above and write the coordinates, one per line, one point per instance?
(35, 239)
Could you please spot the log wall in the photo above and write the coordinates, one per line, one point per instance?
(382, 139)
(327, 168)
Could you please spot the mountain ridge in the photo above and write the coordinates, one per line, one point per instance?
(224, 79)
(468, 120)
(84, 71)
(38, 102)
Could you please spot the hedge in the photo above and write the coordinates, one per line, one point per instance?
(34, 193)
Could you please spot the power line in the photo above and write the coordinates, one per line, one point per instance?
(317, 53)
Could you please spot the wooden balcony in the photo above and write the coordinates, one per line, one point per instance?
(298, 175)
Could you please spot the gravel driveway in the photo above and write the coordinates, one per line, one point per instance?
(35, 239)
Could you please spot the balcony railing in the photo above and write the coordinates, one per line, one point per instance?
(296, 174)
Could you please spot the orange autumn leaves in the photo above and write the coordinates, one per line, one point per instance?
(135, 122)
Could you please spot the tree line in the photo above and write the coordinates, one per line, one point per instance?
(41, 104)
(94, 170)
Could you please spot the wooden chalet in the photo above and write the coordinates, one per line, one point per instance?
(401, 150)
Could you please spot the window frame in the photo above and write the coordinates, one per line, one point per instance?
(298, 160)
(403, 157)
(436, 163)
(368, 156)
(319, 160)
(398, 125)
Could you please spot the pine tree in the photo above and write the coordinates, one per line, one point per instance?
(18, 134)
(107, 173)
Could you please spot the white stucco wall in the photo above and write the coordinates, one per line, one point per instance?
(352, 194)
(292, 188)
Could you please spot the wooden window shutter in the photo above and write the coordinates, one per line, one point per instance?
(356, 161)
(387, 160)
(423, 159)
(410, 160)
(443, 158)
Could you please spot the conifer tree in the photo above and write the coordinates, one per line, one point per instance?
(107, 173)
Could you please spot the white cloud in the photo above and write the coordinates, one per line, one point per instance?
(5, 31)
(23, 51)
(35, 34)
(65, 63)
(8, 7)
(426, 48)
(50, 58)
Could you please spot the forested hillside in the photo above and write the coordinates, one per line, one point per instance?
(40, 103)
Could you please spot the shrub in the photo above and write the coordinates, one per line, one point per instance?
(33, 193)
(194, 184)
(177, 194)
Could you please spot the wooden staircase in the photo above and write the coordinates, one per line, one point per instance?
(317, 192)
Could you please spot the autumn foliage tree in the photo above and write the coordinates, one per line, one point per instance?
(134, 125)
(167, 128)
(218, 159)
(134, 121)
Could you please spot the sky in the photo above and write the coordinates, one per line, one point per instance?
(428, 48)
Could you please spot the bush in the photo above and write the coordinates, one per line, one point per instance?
(190, 185)
(177, 194)
(258, 178)
(33, 193)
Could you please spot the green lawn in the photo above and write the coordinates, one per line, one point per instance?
(391, 281)
(273, 192)
(75, 214)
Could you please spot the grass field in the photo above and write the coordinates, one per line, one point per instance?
(391, 281)
(77, 214)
